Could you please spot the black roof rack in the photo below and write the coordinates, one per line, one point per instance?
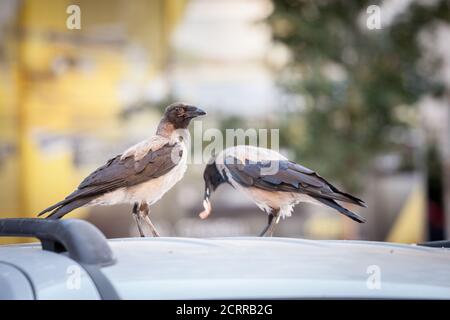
(436, 244)
(83, 242)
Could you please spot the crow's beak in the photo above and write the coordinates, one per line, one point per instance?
(193, 112)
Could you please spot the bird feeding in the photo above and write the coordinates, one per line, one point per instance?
(248, 169)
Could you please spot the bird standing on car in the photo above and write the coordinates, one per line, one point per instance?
(142, 174)
(273, 182)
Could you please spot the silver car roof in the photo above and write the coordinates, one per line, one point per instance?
(186, 268)
(248, 267)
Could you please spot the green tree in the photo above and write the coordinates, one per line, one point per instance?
(355, 86)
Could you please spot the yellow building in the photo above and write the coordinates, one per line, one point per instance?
(61, 87)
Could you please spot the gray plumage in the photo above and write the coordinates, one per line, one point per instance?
(118, 173)
(292, 177)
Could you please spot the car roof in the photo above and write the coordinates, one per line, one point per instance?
(190, 268)
(249, 267)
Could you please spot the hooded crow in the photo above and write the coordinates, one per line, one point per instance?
(141, 175)
(273, 182)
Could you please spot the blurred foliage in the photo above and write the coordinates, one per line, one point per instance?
(353, 86)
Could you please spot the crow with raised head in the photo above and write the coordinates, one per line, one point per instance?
(273, 182)
(141, 175)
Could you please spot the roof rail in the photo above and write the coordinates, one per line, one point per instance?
(436, 244)
(83, 241)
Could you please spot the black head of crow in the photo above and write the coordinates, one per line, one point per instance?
(213, 179)
(273, 182)
(180, 115)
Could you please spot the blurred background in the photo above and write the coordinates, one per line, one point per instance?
(365, 105)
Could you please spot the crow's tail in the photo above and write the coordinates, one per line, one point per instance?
(61, 208)
(333, 204)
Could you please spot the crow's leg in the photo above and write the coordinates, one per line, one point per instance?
(270, 223)
(277, 216)
(137, 218)
(145, 209)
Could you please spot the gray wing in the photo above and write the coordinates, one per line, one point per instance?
(118, 173)
(290, 177)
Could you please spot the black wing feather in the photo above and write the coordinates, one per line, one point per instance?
(118, 173)
(290, 177)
